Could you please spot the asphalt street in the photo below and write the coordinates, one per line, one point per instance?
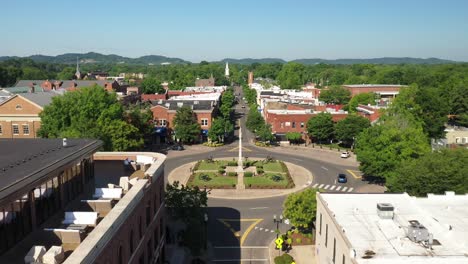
(240, 231)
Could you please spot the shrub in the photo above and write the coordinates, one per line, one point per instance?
(205, 177)
(232, 163)
(259, 166)
(213, 144)
(232, 173)
(276, 178)
(248, 174)
(260, 171)
(298, 241)
(223, 167)
(221, 171)
(284, 259)
(195, 168)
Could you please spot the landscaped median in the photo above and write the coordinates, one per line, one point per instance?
(258, 174)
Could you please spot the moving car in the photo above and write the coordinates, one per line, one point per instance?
(342, 178)
(345, 154)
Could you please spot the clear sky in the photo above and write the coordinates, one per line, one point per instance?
(216, 29)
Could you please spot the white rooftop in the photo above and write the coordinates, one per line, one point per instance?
(199, 97)
(444, 216)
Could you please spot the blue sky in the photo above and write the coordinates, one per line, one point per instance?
(216, 29)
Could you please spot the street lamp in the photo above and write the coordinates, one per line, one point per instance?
(277, 222)
(206, 230)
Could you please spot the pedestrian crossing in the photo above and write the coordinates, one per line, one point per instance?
(336, 188)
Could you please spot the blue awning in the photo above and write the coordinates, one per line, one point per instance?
(204, 132)
(160, 130)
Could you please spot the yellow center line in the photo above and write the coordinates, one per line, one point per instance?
(354, 175)
(246, 233)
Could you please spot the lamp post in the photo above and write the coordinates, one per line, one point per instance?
(206, 230)
(277, 222)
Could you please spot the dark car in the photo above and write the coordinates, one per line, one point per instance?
(177, 147)
(342, 178)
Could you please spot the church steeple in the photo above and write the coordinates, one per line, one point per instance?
(226, 70)
(77, 73)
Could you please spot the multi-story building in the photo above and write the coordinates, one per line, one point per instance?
(385, 91)
(86, 206)
(48, 85)
(391, 228)
(205, 82)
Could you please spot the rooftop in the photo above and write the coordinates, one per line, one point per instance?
(373, 85)
(444, 216)
(196, 105)
(24, 161)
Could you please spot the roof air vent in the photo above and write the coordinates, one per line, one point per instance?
(385, 210)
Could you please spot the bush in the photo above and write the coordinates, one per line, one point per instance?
(259, 166)
(298, 241)
(213, 144)
(248, 174)
(223, 167)
(221, 171)
(232, 173)
(205, 177)
(195, 168)
(232, 163)
(284, 259)
(276, 178)
(260, 171)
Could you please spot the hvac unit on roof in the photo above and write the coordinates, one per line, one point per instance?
(385, 210)
(180, 104)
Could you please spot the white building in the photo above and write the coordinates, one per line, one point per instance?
(391, 228)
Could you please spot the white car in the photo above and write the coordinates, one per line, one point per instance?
(345, 154)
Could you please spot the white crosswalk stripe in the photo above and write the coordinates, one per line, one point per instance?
(344, 189)
(350, 189)
(266, 230)
(333, 187)
(315, 185)
(326, 187)
(321, 185)
(339, 187)
(271, 231)
(261, 228)
(256, 227)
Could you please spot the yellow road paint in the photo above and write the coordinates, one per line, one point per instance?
(237, 233)
(354, 175)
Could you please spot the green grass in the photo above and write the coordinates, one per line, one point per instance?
(211, 166)
(273, 166)
(215, 180)
(266, 181)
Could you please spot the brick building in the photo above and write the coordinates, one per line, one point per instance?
(44, 179)
(205, 82)
(370, 112)
(48, 85)
(19, 114)
(164, 112)
(384, 90)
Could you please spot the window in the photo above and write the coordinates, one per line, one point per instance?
(26, 129)
(141, 228)
(457, 140)
(1, 131)
(326, 235)
(282, 125)
(464, 140)
(148, 213)
(344, 260)
(18, 107)
(120, 255)
(334, 249)
(15, 129)
(131, 242)
(163, 122)
(302, 124)
(320, 229)
(204, 122)
(293, 125)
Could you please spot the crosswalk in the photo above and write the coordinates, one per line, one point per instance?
(336, 188)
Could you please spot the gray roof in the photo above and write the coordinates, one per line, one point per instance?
(40, 98)
(26, 162)
(26, 83)
(79, 83)
(195, 105)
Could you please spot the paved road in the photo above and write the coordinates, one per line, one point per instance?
(241, 230)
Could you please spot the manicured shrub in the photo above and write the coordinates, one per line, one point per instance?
(221, 171)
(204, 177)
(248, 174)
(260, 171)
(232, 163)
(232, 173)
(276, 178)
(284, 259)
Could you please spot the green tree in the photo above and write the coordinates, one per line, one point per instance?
(185, 202)
(152, 86)
(363, 99)
(90, 112)
(335, 95)
(321, 127)
(294, 137)
(254, 119)
(250, 95)
(67, 73)
(300, 208)
(291, 75)
(186, 126)
(216, 132)
(381, 148)
(264, 132)
(434, 172)
(347, 129)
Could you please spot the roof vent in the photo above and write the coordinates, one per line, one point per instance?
(385, 210)
(417, 232)
(180, 104)
(64, 142)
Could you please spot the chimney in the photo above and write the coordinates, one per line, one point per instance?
(31, 88)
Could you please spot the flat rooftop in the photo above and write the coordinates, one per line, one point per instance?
(24, 161)
(374, 85)
(444, 216)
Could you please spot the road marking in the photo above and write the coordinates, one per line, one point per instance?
(256, 227)
(350, 189)
(271, 231)
(354, 175)
(246, 233)
(321, 185)
(315, 185)
(326, 187)
(237, 260)
(339, 187)
(333, 187)
(261, 228)
(266, 230)
(324, 168)
(236, 233)
(344, 189)
(295, 159)
(258, 208)
(237, 149)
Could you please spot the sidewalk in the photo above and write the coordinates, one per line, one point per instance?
(301, 254)
(302, 179)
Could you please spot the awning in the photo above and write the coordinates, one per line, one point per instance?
(204, 132)
(160, 130)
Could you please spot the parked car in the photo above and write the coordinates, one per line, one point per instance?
(345, 155)
(342, 178)
(177, 147)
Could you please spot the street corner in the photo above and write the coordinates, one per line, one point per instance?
(355, 173)
(240, 228)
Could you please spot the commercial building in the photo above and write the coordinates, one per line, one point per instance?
(48, 85)
(391, 228)
(385, 91)
(65, 199)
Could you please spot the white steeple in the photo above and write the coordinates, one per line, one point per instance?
(77, 73)
(226, 70)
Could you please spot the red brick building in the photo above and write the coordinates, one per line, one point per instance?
(384, 90)
(48, 85)
(205, 82)
(370, 112)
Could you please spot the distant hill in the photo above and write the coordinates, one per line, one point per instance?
(385, 60)
(93, 57)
